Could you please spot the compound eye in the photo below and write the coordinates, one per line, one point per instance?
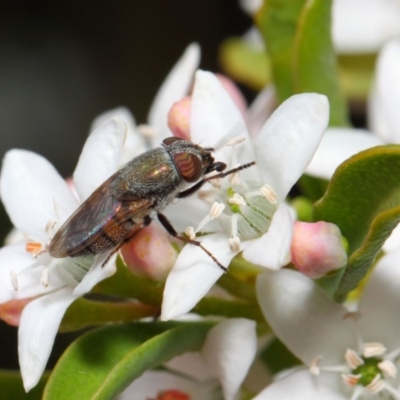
(170, 140)
(189, 166)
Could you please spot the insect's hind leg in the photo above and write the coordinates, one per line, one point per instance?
(171, 230)
(134, 231)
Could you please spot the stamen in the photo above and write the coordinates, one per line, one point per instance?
(234, 179)
(14, 280)
(190, 232)
(147, 131)
(269, 194)
(353, 359)
(388, 368)
(351, 379)
(49, 227)
(206, 195)
(34, 248)
(234, 244)
(237, 199)
(236, 140)
(314, 367)
(373, 349)
(216, 210)
(377, 384)
(44, 278)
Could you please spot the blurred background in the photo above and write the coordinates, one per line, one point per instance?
(63, 63)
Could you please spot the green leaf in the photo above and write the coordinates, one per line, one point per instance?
(84, 313)
(103, 362)
(356, 73)
(12, 389)
(363, 200)
(297, 37)
(245, 63)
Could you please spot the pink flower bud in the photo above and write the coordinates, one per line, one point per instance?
(317, 248)
(10, 312)
(179, 118)
(150, 253)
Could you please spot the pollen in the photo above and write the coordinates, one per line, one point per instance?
(351, 379)
(34, 248)
(353, 359)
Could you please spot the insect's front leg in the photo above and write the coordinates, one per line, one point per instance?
(171, 230)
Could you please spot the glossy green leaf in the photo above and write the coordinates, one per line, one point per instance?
(363, 200)
(245, 63)
(84, 313)
(11, 387)
(297, 37)
(101, 363)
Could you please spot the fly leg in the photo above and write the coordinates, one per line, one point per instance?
(133, 232)
(171, 230)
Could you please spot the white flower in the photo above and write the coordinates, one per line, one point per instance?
(338, 144)
(349, 355)
(358, 26)
(175, 86)
(253, 216)
(38, 201)
(227, 354)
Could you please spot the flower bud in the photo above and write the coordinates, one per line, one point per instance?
(179, 118)
(150, 253)
(317, 248)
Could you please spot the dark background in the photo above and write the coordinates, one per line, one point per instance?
(64, 62)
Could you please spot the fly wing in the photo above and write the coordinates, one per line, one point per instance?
(99, 224)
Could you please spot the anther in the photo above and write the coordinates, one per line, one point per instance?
(373, 349)
(190, 232)
(234, 244)
(206, 195)
(314, 367)
(377, 384)
(14, 280)
(216, 210)
(353, 359)
(237, 199)
(351, 379)
(236, 140)
(269, 194)
(34, 248)
(44, 278)
(388, 368)
(147, 130)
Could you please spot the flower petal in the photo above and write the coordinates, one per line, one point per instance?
(135, 142)
(380, 302)
(40, 320)
(152, 383)
(304, 318)
(337, 145)
(15, 258)
(287, 142)
(100, 156)
(298, 385)
(174, 88)
(361, 26)
(215, 120)
(229, 350)
(272, 250)
(385, 118)
(97, 273)
(393, 241)
(193, 275)
(33, 193)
